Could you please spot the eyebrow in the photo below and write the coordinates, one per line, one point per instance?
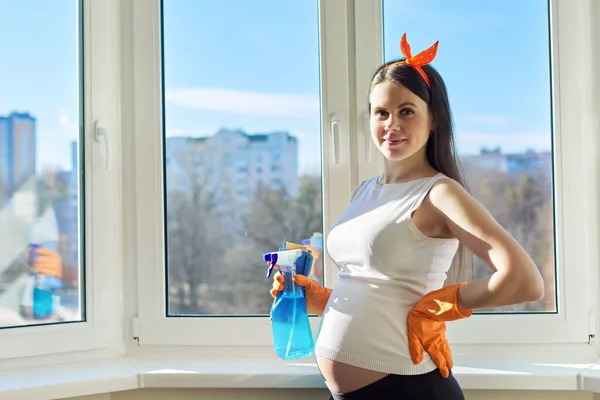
(407, 103)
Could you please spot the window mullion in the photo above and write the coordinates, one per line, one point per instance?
(368, 56)
(337, 87)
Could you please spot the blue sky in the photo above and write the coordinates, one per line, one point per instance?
(240, 64)
(39, 71)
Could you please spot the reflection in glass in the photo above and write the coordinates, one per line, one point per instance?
(40, 191)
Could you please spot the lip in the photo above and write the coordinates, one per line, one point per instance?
(395, 142)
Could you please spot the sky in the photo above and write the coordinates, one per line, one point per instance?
(241, 64)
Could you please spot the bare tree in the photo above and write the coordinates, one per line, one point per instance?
(522, 204)
(276, 217)
(195, 234)
(270, 219)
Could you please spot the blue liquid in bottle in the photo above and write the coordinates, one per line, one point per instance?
(46, 287)
(292, 334)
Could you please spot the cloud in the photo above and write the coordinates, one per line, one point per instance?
(473, 142)
(485, 119)
(64, 121)
(54, 148)
(196, 132)
(245, 102)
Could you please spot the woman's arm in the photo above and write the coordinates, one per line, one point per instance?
(516, 278)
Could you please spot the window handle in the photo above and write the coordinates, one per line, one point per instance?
(336, 126)
(99, 137)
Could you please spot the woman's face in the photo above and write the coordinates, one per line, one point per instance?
(400, 121)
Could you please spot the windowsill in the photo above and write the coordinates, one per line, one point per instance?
(128, 373)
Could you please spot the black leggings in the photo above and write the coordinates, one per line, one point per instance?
(430, 386)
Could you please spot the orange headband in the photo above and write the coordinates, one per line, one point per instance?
(423, 58)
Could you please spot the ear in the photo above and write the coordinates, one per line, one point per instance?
(433, 125)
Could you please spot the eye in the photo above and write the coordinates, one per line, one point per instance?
(380, 113)
(407, 112)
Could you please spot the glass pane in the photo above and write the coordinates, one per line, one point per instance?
(40, 195)
(502, 110)
(242, 147)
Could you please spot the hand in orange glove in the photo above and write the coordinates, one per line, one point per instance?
(427, 326)
(316, 295)
(47, 262)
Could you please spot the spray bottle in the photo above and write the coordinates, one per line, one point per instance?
(46, 289)
(292, 334)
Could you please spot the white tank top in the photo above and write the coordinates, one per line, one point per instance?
(385, 266)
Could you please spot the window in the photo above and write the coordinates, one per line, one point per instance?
(204, 272)
(104, 132)
(211, 266)
(47, 277)
(212, 258)
(40, 190)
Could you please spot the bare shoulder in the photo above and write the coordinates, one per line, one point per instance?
(456, 204)
(470, 222)
(430, 217)
(447, 192)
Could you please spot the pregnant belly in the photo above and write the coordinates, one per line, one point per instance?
(344, 378)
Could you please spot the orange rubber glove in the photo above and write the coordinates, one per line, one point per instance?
(48, 262)
(427, 326)
(317, 296)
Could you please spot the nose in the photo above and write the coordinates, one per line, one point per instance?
(392, 123)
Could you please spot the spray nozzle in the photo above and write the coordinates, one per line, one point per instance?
(286, 258)
(270, 258)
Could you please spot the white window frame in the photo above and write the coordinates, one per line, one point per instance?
(351, 49)
(154, 327)
(576, 182)
(101, 331)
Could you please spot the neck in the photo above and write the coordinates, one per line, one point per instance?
(411, 168)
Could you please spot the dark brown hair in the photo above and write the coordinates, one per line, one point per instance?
(440, 148)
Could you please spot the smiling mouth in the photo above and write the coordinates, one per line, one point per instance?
(395, 142)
